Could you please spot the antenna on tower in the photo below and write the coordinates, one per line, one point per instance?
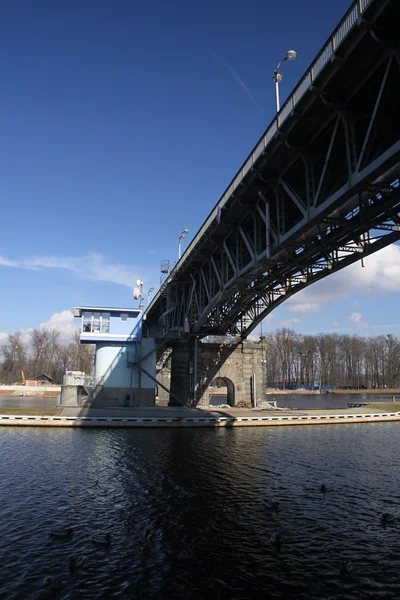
(138, 290)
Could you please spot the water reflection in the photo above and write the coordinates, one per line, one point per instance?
(186, 515)
(27, 402)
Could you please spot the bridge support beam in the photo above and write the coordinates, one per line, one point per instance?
(240, 366)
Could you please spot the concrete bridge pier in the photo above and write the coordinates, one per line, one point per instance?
(195, 365)
(181, 375)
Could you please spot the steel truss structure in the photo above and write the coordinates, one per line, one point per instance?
(323, 194)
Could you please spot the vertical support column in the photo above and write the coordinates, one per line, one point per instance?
(180, 373)
(253, 376)
(253, 389)
(267, 231)
(195, 365)
(195, 370)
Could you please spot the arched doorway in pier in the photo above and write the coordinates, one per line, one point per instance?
(221, 391)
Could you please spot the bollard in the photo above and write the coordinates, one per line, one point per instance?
(393, 398)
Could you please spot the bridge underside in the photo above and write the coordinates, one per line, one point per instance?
(322, 194)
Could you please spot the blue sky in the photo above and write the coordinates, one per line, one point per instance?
(121, 124)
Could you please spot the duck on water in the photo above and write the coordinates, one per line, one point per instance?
(61, 532)
(76, 562)
(270, 505)
(102, 539)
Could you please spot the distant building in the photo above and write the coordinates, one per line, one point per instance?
(42, 379)
(125, 363)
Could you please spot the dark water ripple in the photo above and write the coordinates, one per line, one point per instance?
(185, 511)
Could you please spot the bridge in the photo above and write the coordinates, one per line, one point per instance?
(319, 191)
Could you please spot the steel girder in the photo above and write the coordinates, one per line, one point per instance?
(318, 202)
(367, 228)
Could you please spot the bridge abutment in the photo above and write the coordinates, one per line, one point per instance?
(239, 365)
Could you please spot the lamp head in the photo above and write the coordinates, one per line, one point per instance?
(291, 54)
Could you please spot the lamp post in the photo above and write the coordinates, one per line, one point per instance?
(182, 235)
(290, 55)
(148, 295)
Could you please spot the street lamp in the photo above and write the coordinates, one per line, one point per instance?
(183, 234)
(148, 295)
(290, 55)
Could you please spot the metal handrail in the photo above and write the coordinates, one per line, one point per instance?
(343, 29)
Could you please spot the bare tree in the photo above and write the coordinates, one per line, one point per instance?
(14, 355)
(40, 348)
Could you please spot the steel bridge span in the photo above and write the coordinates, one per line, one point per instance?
(319, 191)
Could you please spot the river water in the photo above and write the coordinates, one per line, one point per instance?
(186, 515)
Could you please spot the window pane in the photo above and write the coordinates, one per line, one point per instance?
(87, 325)
(96, 325)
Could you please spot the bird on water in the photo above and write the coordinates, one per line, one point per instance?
(276, 540)
(103, 539)
(75, 563)
(54, 584)
(345, 567)
(386, 518)
(61, 532)
(270, 505)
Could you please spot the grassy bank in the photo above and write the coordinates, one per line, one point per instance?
(380, 391)
(382, 406)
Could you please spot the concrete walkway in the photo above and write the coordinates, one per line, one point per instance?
(209, 417)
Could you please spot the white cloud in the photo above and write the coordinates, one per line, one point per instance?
(303, 307)
(356, 318)
(92, 266)
(335, 323)
(268, 318)
(381, 274)
(4, 262)
(355, 303)
(64, 322)
(239, 80)
(290, 322)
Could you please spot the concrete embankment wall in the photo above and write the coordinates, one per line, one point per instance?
(206, 421)
(42, 391)
(107, 397)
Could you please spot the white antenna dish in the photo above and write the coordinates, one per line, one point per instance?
(136, 293)
(138, 282)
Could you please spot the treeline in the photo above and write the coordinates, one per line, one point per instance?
(331, 360)
(44, 353)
